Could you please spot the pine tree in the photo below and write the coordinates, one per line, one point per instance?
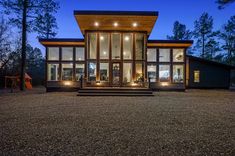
(180, 32)
(203, 33)
(228, 36)
(23, 14)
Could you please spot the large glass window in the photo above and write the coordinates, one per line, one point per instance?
(80, 54)
(53, 53)
(104, 71)
(164, 55)
(92, 37)
(127, 72)
(116, 46)
(91, 71)
(164, 73)
(151, 55)
(178, 55)
(139, 46)
(79, 71)
(67, 72)
(139, 72)
(127, 46)
(104, 46)
(53, 72)
(67, 53)
(178, 73)
(152, 72)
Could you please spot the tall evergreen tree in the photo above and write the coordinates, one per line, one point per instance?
(203, 32)
(23, 13)
(46, 24)
(228, 36)
(223, 3)
(180, 32)
(5, 48)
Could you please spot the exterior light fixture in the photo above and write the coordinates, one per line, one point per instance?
(96, 24)
(115, 24)
(67, 83)
(127, 38)
(134, 84)
(164, 84)
(135, 24)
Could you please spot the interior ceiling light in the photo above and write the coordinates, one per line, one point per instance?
(135, 24)
(102, 38)
(115, 24)
(96, 24)
(127, 38)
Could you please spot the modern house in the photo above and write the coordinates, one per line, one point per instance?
(117, 53)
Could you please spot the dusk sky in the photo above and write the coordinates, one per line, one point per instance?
(186, 11)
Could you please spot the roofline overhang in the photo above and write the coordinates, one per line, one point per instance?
(124, 13)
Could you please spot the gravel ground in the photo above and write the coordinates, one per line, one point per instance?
(196, 122)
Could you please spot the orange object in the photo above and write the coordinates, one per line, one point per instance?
(28, 85)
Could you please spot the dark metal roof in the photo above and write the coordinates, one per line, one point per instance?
(210, 61)
(106, 12)
(170, 41)
(62, 40)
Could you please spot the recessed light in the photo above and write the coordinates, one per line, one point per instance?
(127, 38)
(115, 24)
(135, 24)
(102, 38)
(96, 24)
(104, 52)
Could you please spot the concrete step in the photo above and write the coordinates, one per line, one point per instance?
(117, 91)
(113, 94)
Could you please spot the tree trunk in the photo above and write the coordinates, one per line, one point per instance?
(23, 49)
(203, 46)
(229, 57)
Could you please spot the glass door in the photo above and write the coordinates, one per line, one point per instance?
(116, 74)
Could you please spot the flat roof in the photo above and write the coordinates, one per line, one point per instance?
(104, 20)
(62, 42)
(170, 43)
(81, 42)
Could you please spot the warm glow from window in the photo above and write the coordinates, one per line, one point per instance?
(101, 38)
(196, 76)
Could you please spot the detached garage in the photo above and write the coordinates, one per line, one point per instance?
(202, 73)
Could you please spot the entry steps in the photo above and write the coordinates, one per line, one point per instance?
(115, 92)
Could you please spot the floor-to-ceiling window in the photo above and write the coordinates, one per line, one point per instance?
(125, 49)
(116, 46)
(165, 65)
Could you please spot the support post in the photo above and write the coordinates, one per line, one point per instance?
(81, 82)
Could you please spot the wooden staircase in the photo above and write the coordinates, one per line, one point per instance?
(115, 92)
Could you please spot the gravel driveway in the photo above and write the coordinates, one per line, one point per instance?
(196, 122)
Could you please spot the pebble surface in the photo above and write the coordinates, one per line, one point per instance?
(195, 122)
